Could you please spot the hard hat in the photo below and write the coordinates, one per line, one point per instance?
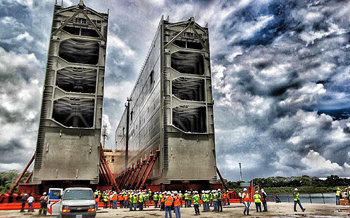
(338, 188)
(262, 189)
(25, 194)
(244, 189)
(202, 191)
(296, 189)
(169, 193)
(44, 193)
(256, 192)
(219, 189)
(179, 191)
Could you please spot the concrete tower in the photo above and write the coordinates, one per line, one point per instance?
(70, 121)
(171, 108)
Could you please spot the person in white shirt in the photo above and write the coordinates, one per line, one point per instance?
(30, 203)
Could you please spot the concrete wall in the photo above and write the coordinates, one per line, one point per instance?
(70, 122)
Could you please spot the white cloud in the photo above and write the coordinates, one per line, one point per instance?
(25, 36)
(119, 91)
(316, 163)
(115, 42)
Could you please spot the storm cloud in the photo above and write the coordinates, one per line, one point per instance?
(280, 72)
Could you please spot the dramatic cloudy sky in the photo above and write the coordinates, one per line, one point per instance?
(281, 78)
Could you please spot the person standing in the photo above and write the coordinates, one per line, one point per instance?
(168, 201)
(181, 198)
(196, 199)
(228, 197)
(162, 201)
(257, 201)
(177, 204)
(24, 200)
(296, 197)
(141, 200)
(215, 201)
(219, 200)
(30, 203)
(155, 199)
(246, 202)
(264, 199)
(240, 197)
(338, 196)
(43, 204)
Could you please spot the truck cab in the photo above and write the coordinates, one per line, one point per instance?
(78, 203)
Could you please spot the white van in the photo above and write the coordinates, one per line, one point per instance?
(78, 203)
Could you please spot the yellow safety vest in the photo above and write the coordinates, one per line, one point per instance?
(257, 198)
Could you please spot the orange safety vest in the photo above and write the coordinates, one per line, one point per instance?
(120, 198)
(162, 199)
(125, 197)
(115, 197)
(224, 196)
(177, 202)
(97, 199)
(246, 197)
(168, 201)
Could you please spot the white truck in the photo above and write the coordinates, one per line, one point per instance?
(77, 203)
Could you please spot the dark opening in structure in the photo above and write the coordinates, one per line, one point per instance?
(190, 119)
(79, 51)
(76, 79)
(180, 43)
(188, 62)
(74, 112)
(188, 89)
(194, 45)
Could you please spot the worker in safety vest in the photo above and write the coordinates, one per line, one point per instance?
(105, 199)
(97, 199)
(205, 200)
(186, 195)
(162, 201)
(155, 199)
(338, 196)
(177, 204)
(134, 201)
(215, 201)
(142, 198)
(211, 198)
(43, 204)
(224, 198)
(114, 198)
(168, 201)
(196, 199)
(219, 200)
(228, 197)
(257, 201)
(264, 199)
(246, 201)
(296, 197)
(126, 200)
(121, 199)
(131, 199)
(181, 198)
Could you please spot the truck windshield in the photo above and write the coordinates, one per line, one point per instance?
(78, 195)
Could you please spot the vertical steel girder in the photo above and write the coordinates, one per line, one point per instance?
(149, 169)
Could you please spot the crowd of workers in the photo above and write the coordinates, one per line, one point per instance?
(166, 200)
(169, 201)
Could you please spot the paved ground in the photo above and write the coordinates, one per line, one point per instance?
(234, 210)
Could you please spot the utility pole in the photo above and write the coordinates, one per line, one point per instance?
(240, 172)
(104, 135)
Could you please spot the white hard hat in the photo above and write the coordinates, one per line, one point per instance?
(219, 189)
(202, 191)
(169, 193)
(44, 193)
(25, 194)
(296, 189)
(262, 189)
(256, 192)
(244, 189)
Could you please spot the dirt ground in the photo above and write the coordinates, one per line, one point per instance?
(234, 210)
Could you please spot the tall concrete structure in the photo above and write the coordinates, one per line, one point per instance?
(171, 108)
(71, 112)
